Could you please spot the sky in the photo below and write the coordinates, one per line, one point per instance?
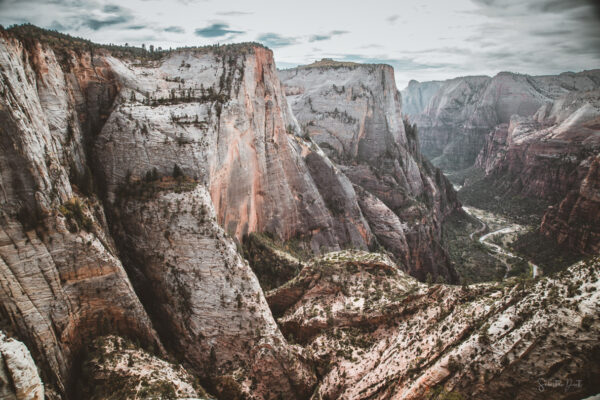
(422, 40)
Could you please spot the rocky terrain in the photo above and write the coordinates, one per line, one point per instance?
(353, 112)
(19, 377)
(455, 116)
(133, 183)
(376, 333)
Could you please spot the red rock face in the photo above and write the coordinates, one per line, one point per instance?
(575, 222)
(553, 156)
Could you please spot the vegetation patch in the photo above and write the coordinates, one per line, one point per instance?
(77, 219)
(487, 194)
(269, 260)
(544, 252)
(470, 258)
(153, 183)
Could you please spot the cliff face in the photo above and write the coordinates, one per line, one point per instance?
(353, 112)
(551, 156)
(575, 221)
(80, 122)
(62, 282)
(376, 333)
(223, 119)
(456, 120)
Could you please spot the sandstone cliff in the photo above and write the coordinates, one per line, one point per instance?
(454, 123)
(80, 123)
(62, 282)
(353, 112)
(19, 379)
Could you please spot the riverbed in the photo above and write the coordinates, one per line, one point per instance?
(502, 232)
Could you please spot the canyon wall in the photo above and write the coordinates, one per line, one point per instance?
(455, 121)
(552, 155)
(62, 280)
(69, 151)
(353, 112)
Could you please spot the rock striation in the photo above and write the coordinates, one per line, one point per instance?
(353, 112)
(18, 373)
(62, 282)
(376, 333)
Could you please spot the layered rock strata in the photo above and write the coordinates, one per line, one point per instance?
(376, 333)
(455, 120)
(353, 112)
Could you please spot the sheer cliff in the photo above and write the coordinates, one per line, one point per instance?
(353, 112)
(67, 281)
(455, 120)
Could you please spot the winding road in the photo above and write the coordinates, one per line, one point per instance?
(501, 253)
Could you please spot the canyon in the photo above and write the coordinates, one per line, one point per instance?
(529, 138)
(195, 223)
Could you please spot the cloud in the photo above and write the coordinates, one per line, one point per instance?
(216, 30)
(174, 29)
(275, 40)
(392, 18)
(233, 13)
(113, 15)
(399, 64)
(327, 36)
(97, 24)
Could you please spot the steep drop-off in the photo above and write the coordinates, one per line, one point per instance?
(62, 282)
(353, 112)
(455, 116)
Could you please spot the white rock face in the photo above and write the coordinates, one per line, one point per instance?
(223, 118)
(353, 112)
(18, 373)
(60, 283)
(204, 296)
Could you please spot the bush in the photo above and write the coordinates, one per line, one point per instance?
(73, 210)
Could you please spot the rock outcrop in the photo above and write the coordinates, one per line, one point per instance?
(19, 379)
(376, 333)
(454, 123)
(62, 282)
(353, 112)
(115, 368)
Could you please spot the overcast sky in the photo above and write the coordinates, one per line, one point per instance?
(423, 40)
